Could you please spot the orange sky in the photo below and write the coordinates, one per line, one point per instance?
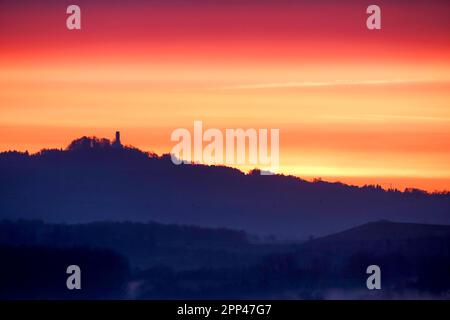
(351, 104)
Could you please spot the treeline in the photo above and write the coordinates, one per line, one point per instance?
(143, 244)
(127, 235)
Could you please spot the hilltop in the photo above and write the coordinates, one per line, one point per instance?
(94, 179)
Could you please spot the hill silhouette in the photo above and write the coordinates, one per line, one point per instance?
(385, 230)
(95, 180)
(383, 238)
(151, 260)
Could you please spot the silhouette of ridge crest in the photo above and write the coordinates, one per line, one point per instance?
(86, 143)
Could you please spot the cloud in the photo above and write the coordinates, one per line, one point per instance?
(334, 83)
(385, 117)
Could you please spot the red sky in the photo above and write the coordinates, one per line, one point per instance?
(351, 104)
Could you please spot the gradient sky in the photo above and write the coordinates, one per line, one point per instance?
(351, 104)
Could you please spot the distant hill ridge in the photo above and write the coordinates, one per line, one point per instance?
(383, 238)
(95, 179)
(385, 229)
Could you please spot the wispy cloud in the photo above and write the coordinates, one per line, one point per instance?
(334, 83)
(385, 117)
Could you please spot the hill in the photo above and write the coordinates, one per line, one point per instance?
(186, 262)
(384, 237)
(92, 180)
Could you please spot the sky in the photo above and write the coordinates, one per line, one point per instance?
(353, 105)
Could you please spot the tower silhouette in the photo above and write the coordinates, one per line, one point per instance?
(116, 143)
